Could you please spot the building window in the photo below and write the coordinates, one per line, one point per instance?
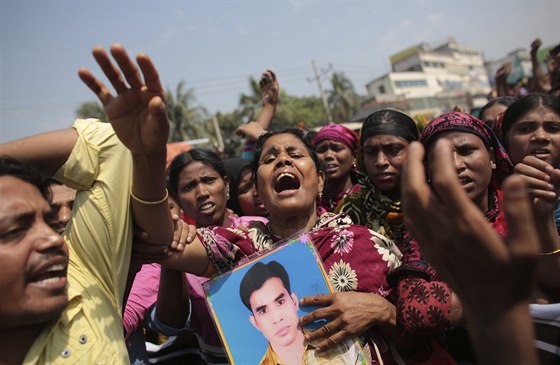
(381, 89)
(411, 83)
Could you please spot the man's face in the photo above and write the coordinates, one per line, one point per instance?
(33, 257)
(275, 313)
(62, 202)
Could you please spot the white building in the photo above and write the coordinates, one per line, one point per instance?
(450, 71)
(521, 65)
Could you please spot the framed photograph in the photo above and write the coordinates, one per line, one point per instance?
(255, 308)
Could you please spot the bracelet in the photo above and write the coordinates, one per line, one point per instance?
(145, 202)
(550, 253)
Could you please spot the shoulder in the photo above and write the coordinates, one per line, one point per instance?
(94, 129)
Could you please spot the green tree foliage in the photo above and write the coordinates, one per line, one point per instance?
(249, 104)
(343, 100)
(297, 111)
(193, 122)
(91, 109)
(187, 121)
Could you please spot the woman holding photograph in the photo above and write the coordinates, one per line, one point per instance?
(288, 181)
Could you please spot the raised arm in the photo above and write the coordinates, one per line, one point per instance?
(48, 151)
(138, 116)
(502, 86)
(269, 96)
(541, 80)
(493, 280)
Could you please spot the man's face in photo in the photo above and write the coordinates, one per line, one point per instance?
(275, 312)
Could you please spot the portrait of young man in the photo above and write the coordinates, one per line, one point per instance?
(265, 290)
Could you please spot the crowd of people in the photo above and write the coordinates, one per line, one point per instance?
(441, 246)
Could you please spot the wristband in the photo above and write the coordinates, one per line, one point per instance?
(550, 253)
(145, 202)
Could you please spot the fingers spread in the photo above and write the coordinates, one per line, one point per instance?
(158, 110)
(319, 300)
(128, 67)
(151, 76)
(112, 73)
(103, 94)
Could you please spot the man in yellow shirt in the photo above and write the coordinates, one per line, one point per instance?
(118, 170)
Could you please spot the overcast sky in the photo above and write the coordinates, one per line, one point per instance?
(216, 45)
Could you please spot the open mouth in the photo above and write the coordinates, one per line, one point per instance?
(464, 180)
(286, 182)
(50, 275)
(206, 206)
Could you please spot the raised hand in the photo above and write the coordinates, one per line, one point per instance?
(138, 111)
(487, 274)
(535, 45)
(493, 279)
(269, 87)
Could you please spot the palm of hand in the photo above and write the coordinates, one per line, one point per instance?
(132, 121)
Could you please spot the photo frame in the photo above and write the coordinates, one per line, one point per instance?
(244, 343)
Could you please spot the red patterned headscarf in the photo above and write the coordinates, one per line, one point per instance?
(462, 122)
(338, 133)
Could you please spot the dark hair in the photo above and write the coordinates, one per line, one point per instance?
(524, 105)
(298, 133)
(389, 121)
(234, 167)
(257, 275)
(501, 100)
(27, 173)
(207, 157)
(555, 50)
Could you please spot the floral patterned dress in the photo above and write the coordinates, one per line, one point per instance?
(355, 257)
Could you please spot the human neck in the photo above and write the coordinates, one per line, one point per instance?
(20, 340)
(337, 186)
(482, 202)
(288, 226)
(292, 353)
(393, 194)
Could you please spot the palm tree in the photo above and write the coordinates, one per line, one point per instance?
(187, 122)
(343, 100)
(249, 104)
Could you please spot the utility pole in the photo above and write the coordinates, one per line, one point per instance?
(218, 132)
(321, 92)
